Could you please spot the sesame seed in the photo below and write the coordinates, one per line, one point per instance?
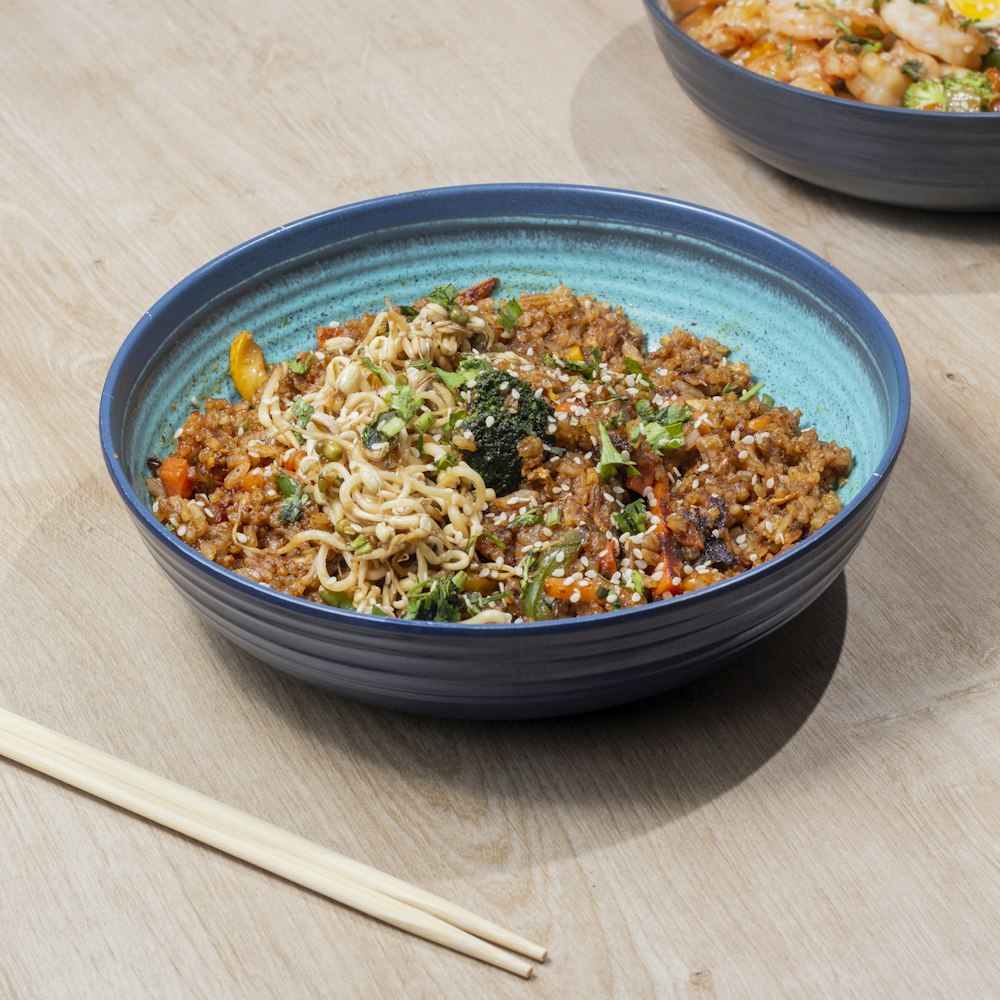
(770, 483)
(696, 484)
(490, 420)
(703, 467)
(182, 531)
(241, 538)
(574, 598)
(740, 539)
(676, 581)
(744, 454)
(636, 598)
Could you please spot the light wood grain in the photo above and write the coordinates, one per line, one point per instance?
(820, 825)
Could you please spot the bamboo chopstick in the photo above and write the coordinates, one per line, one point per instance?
(259, 843)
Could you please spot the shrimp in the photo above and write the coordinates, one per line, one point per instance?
(878, 81)
(912, 61)
(839, 61)
(784, 59)
(822, 23)
(729, 27)
(934, 28)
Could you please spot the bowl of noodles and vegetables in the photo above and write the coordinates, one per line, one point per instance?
(895, 101)
(505, 451)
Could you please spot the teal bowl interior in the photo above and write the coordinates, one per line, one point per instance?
(810, 351)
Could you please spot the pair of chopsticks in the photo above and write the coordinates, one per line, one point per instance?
(266, 846)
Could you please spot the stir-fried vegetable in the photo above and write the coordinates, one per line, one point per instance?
(247, 365)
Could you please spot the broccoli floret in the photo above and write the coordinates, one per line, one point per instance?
(925, 94)
(968, 92)
(498, 422)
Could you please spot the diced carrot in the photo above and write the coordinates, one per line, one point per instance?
(565, 406)
(253, 480)
(607, 564)
(574, 353)
(291, 461)
(666, 585)
(177, 477)
(556, 587)
(645, 479)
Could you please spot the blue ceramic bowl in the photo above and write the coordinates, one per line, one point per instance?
(920, 159)
(817, 340)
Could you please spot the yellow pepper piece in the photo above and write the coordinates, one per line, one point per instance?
(247, 365)
(574, 353)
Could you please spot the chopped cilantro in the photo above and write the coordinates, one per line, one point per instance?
(632, 520)
(611, 457)
(438, 600)
(552, 517)
(446, 461)
(464, 375)
(302, 411)
(585, 368)
(295, 498)
(634, 367)
(402, 403)
(443, 295)
(300, 367)
(531, 515)
(508, 313)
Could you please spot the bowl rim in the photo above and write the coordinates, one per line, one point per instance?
(744, 75)
(465, 201)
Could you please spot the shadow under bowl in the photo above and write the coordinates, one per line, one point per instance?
(919, 159)
(799, 323)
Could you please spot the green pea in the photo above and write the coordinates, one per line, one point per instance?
(331, 450)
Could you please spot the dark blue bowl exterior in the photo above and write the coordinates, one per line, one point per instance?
(504, 671)
(919, 159)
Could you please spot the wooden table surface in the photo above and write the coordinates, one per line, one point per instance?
(818, 820)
